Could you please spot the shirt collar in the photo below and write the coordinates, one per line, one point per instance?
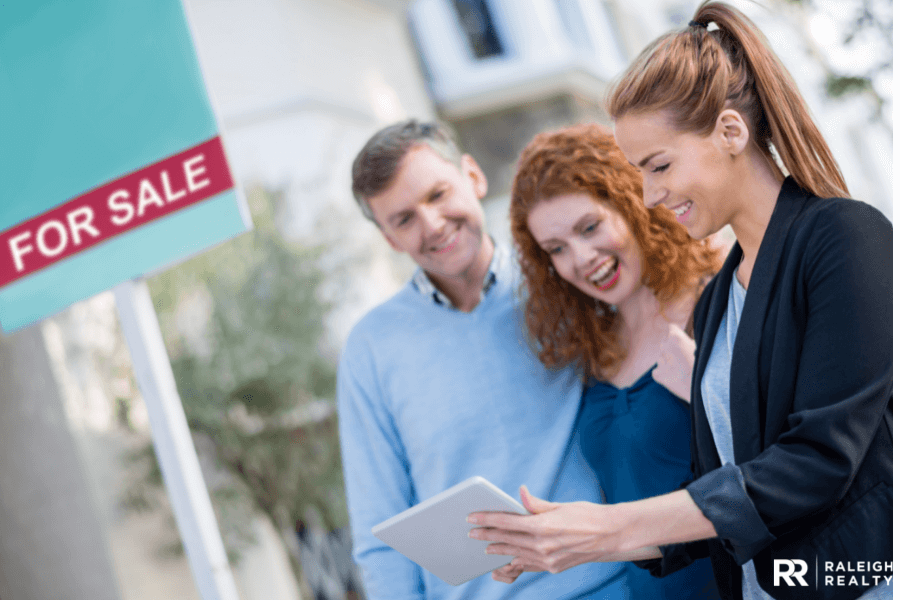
(426, 287)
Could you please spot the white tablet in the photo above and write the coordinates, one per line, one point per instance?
(435, 534)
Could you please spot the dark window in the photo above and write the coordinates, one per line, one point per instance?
(478, 25)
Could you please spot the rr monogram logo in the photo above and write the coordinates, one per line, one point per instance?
(786, 569)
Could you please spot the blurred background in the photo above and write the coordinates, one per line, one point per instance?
(254, 327)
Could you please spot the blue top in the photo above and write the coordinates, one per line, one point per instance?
(715, 387)
(429, 396)
(637, 440)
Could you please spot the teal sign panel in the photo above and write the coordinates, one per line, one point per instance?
(111, 165)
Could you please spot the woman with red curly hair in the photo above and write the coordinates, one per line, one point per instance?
(611, 287)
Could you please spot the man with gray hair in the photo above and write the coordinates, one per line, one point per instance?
(439, 383)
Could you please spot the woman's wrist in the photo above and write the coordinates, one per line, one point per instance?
(646, 553)
(661, 520)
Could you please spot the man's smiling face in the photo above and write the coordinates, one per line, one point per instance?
(431, 211)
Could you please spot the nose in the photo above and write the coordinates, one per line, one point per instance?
(432, 219)
(653, 194)
(583, 255)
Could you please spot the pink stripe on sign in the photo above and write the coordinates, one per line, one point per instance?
(113, 208)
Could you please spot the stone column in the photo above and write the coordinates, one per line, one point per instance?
(52, 546)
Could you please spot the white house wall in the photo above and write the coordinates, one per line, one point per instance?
(300, 85)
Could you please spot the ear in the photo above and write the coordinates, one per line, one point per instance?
(732, 131)
(473, 173)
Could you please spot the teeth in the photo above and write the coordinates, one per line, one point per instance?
(605, 270)
(445, 244)
(680, 210)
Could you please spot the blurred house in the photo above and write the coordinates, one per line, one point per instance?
(502, 70)
(299, 85)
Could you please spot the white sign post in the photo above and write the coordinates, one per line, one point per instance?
(173, 443)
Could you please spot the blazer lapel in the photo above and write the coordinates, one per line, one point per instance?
(745, 360)
(718, 301)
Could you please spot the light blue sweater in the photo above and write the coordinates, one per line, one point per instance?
(429, 396)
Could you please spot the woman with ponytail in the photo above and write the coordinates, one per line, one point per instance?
(791, 395)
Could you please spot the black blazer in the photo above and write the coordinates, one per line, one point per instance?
(811, 405)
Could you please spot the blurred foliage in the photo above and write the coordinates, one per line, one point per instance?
(872, 21)
(243, 324)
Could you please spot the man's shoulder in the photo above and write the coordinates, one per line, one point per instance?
(388, 314)
(379, 332)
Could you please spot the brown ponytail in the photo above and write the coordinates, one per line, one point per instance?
(694, 74)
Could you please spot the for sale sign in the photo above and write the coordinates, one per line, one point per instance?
(112, 209)
(111, 162)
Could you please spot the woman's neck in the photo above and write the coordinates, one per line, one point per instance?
(643, 325)
(641, 309)
(756, 187)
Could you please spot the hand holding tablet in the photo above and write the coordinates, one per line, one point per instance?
(435, 535)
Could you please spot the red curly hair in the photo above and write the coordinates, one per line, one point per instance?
(566, 324)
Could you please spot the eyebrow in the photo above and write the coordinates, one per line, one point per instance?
(647, 158)
(544, 241)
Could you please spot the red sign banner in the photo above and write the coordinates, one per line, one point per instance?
(167, 186)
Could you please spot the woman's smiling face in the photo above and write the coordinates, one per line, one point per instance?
(590, 245)
(687, 173)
